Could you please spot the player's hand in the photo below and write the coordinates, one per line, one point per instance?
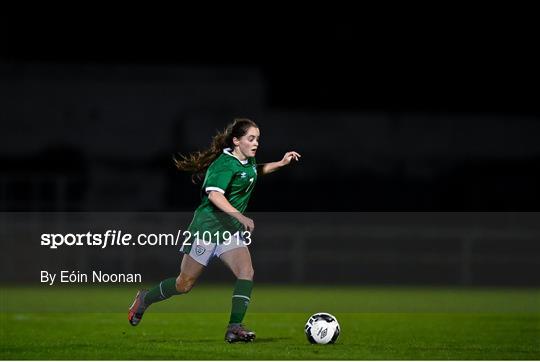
(248, 223)
(289, 156)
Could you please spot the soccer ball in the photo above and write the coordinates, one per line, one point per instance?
(322, 328)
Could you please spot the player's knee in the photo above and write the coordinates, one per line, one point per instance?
(246, 273)
(184, 284)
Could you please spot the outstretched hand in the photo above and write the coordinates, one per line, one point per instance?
(289, 156)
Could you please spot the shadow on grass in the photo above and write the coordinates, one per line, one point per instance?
(271, 339)
(257, 340)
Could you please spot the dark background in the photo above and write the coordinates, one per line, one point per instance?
(391, 113)
(414, 114)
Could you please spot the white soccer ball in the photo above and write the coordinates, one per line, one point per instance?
(322, 328)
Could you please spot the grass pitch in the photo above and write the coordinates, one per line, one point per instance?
(376, 323)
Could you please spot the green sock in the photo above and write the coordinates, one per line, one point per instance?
(162, 291)
(240, 300)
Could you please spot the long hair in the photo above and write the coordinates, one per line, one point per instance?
(198, 162)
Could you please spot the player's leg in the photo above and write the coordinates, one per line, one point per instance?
(190, 270)
(239, 262)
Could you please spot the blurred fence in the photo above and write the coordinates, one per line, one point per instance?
(409, 255)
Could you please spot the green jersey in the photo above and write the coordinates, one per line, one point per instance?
(236, 180)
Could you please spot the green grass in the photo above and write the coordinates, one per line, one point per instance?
(377, 323)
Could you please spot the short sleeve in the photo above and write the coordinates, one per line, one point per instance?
(218, 178)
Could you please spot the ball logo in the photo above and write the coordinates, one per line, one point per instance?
(199, 250)
(322, 332)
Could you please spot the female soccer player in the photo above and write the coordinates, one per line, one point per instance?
(230, 174)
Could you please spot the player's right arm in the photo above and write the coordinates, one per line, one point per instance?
(221, 202)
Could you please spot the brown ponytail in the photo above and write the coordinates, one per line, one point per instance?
(198, 162)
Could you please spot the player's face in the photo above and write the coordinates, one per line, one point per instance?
(248, 143)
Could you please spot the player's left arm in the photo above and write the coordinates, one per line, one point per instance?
(266, 168)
